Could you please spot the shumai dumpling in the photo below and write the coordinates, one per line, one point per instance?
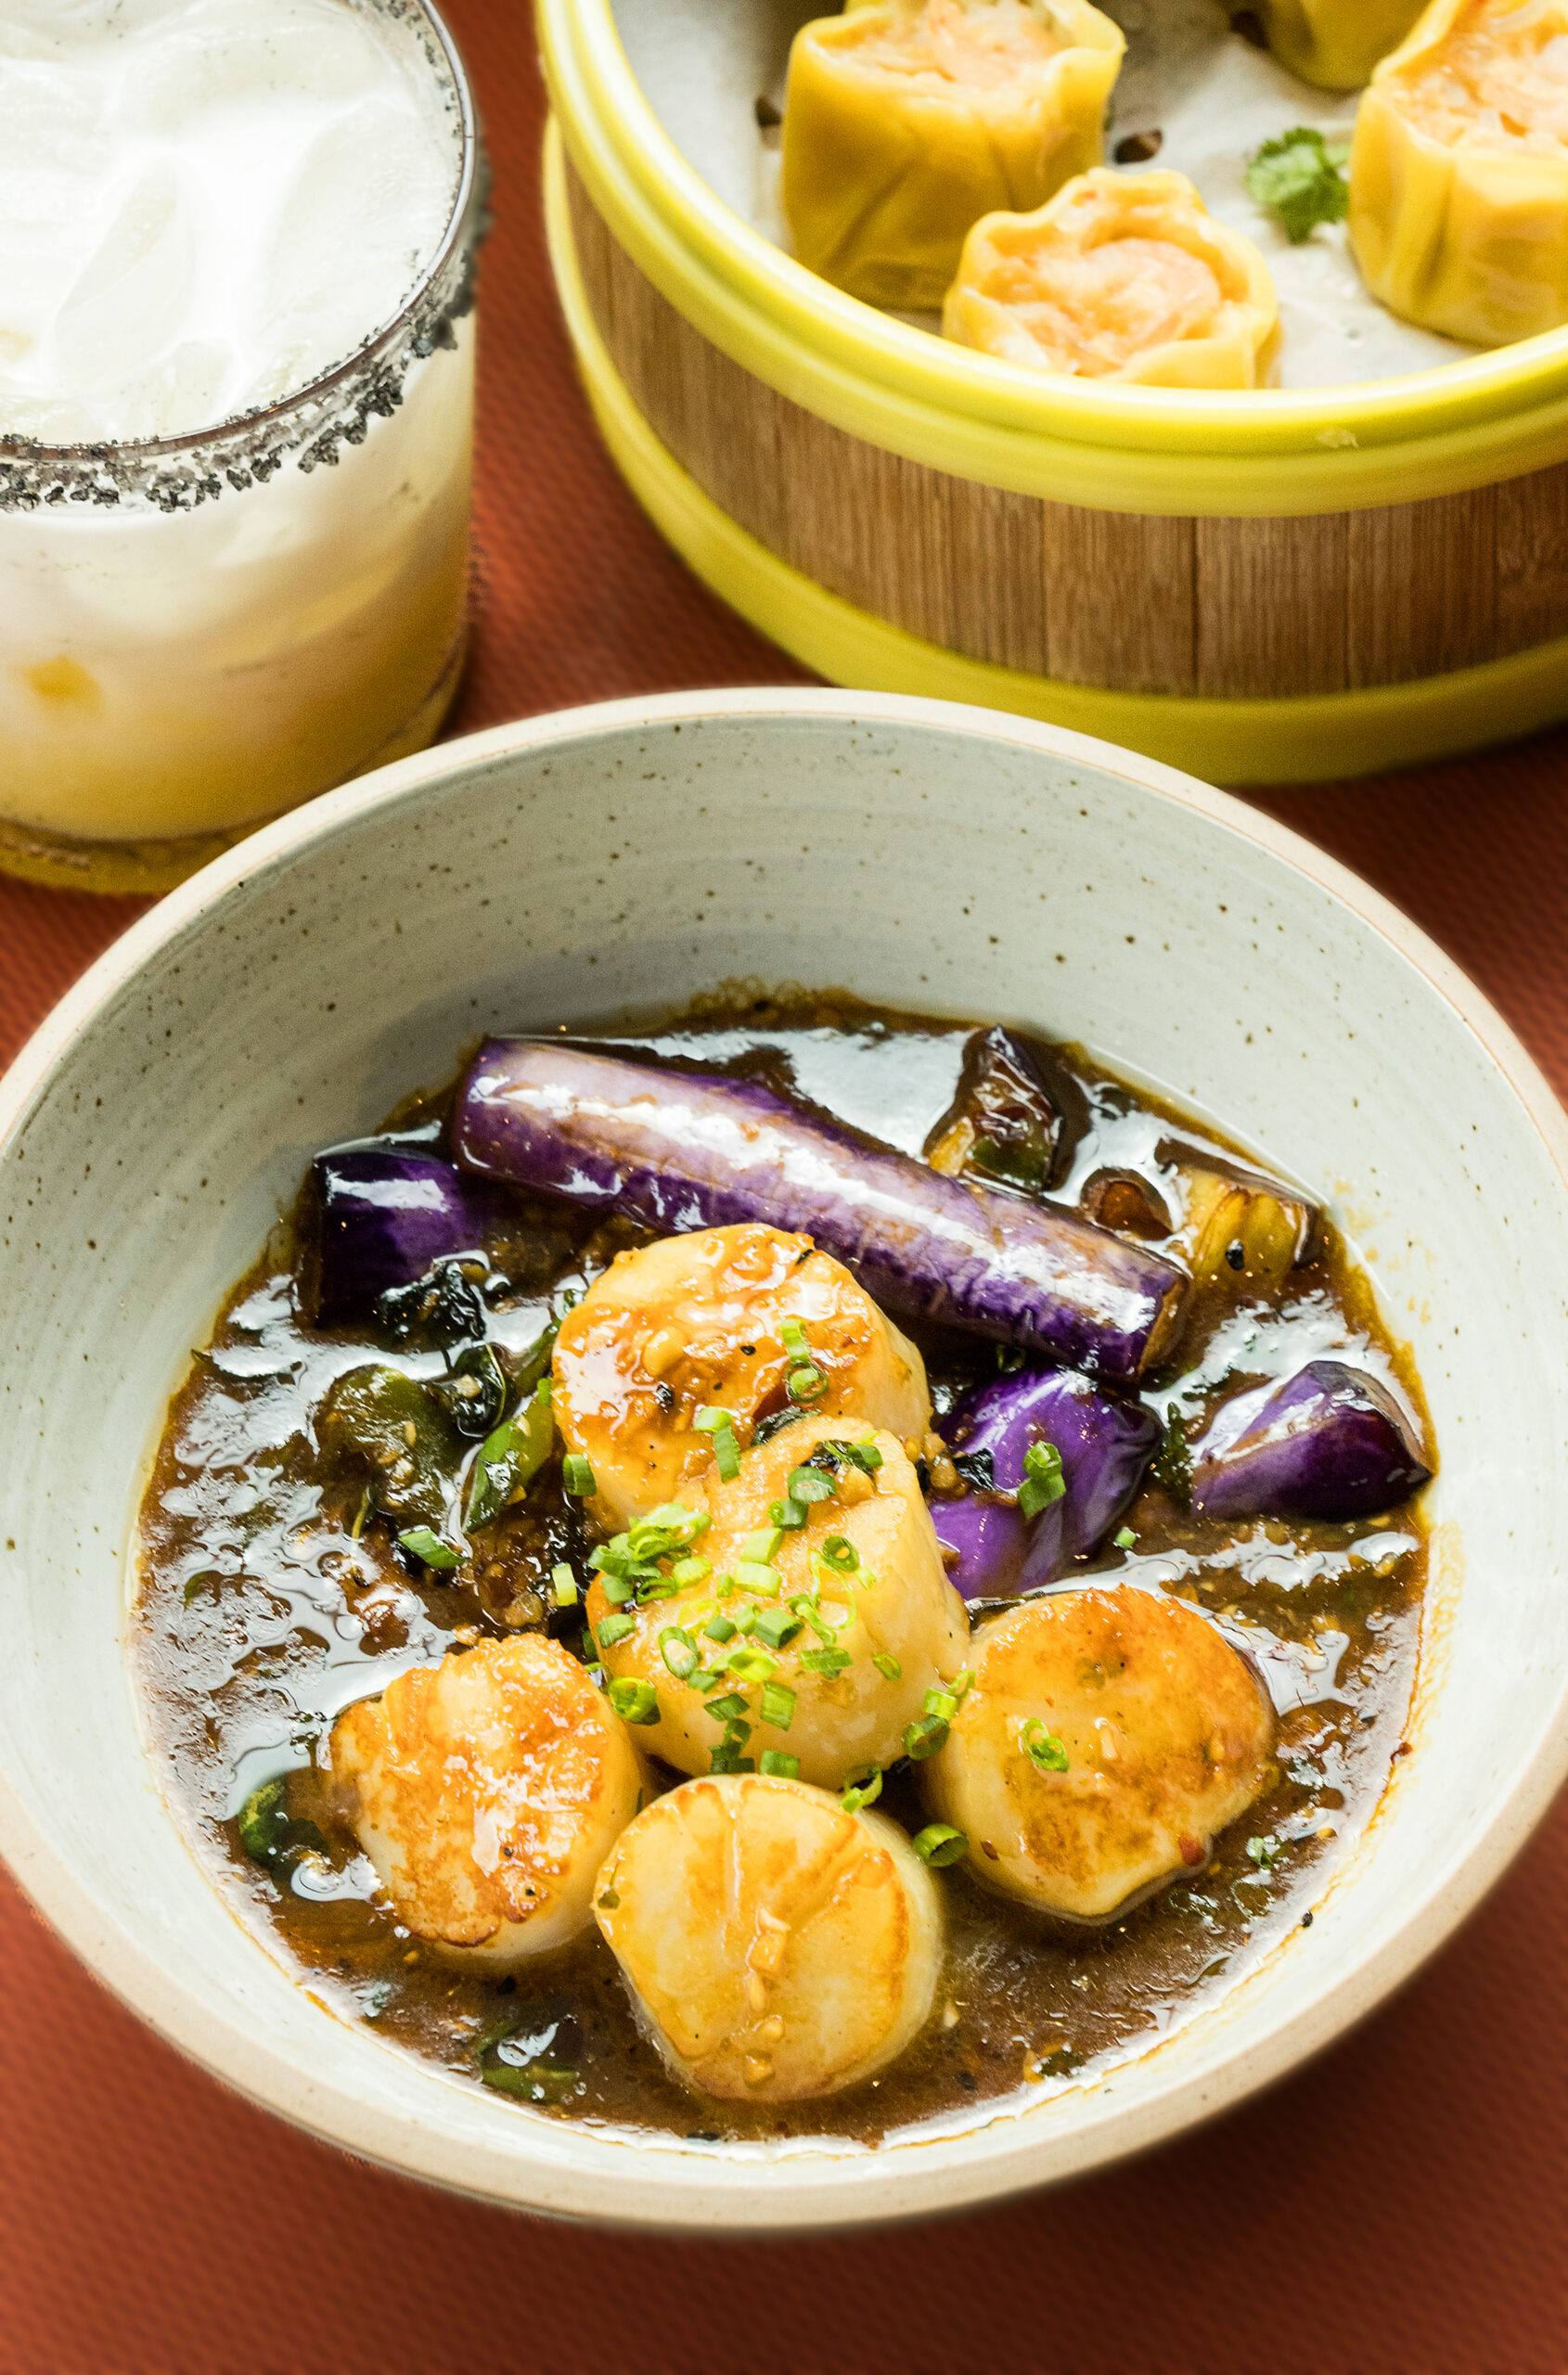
(906, 120)
(1335, 43)
(1119, 276)
(1459, 172)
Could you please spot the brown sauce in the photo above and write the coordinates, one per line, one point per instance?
(267, 1605)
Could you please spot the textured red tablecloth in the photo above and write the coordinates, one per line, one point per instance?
(1397, 2208)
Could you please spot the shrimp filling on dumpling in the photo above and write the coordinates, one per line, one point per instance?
(1117, 277)
(1459, 172)
(984, 45)
(905, 120)
(1499, 80)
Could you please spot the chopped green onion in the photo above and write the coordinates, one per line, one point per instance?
(839, 1553)
(727, 1758)
(779, 1765)
(705, 1678)
(774, 1625)
(688, 1573)
(863, 1791)
(806, 1384)
(794, 1340)
(617, 1589)
(507, 1461)
(360, 1515)
(962, 1682)
(788, 1516)
(1043, 1480)
(720, 1628)
(941, 1702)
(1125, 1539)
(778, 1705)
(762, 1545)
(827, 1662)
(726, 1451)
(925, 1735)
(939, 1843)
(565, 1583)
(634, 1702)
(429, 1548)
(664, 1530)
(810, 1485)
(614, 1628)
(825, 1632)
(750, 1665)
(863, 1455)
(577, 1475)
(1043, 1747)
(731, 1709)
(886, 1663)
(751, 1576)
(678, 1652)
(1264, 1853)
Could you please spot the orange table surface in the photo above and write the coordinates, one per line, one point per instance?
(1396, 2209)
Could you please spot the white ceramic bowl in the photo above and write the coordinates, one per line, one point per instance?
(930, 856)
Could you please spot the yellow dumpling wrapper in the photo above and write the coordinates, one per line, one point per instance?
(1335, 44)
(906, 120)
(1458, 173)
(1119, 276)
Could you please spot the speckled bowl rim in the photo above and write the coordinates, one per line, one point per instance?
(782, 2197)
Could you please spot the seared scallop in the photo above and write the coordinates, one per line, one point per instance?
(776, 1946)
(742, 1319)
(487, 1791)
(1108, 1737)
(816, 1640)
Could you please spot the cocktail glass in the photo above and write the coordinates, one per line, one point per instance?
(200, 632)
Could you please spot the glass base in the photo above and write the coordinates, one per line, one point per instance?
(146, 869)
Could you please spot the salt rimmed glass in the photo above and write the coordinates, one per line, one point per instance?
(200, 632)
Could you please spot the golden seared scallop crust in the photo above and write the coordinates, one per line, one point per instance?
(776, 1946)
(1335, 44)
(1122, 277)
(1459, 172)
(486, 1791)
(1149, 1733)
(904, 119)
(846, 1711)
(699, 1320)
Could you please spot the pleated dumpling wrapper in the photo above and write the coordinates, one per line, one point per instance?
(1335, 44)
(1458, 173)
(1120, 277)
(906, 120)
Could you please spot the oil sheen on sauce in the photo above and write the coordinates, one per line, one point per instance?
(265, 1607)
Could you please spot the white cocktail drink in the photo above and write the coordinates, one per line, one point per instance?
(235, 406)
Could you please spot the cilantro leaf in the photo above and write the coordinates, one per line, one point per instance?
(1302, 176)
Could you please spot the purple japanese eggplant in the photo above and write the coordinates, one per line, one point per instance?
(683, 1150)
(388, 1211)
(1007, 1123)
(1104, 1446)
(1330, 1443)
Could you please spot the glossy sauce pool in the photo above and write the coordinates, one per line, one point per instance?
(266, 1605)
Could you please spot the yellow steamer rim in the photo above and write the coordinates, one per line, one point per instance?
(1399, 473)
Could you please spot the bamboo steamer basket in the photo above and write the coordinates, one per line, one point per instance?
(1280, 585)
